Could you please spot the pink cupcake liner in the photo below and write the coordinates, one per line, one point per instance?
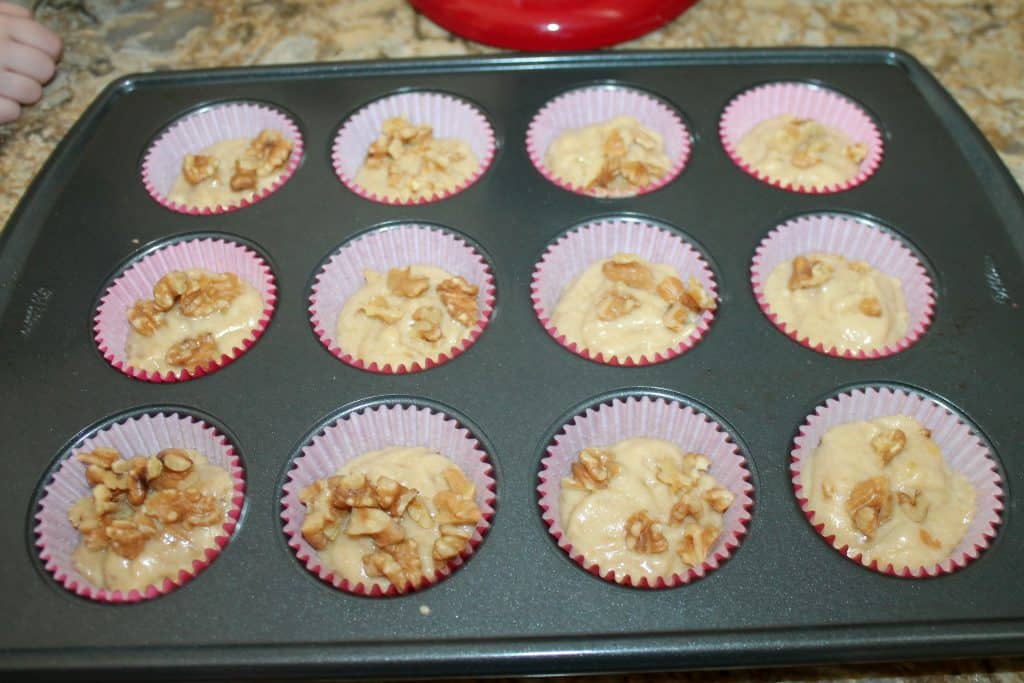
(606, 423)
(855, 240)
(208, 126)
(587, 106)
(111, 326)
(805, 101)
(371, 429)
(450, 116)
(952, 432)
(576, 250)
(396, 246)
(141, 434)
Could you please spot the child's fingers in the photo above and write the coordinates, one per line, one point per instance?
(31, 33)
(19, 88)
(9, 110)
(12, 10)
(27, 61)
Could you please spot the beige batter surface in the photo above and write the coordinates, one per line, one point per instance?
(378, 325)
(615, 158)
(843, 304)
(229, 329)
(645, 475)
(407, 162)
(801, 152)
(586, 314)
(173, 549)
(916, 515)
(416, 468)
(216, 190)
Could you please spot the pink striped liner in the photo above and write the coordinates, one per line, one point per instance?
(450, 117)
(596, 104)
(577, 249)
(649, 416)
(804, 101)
(216, 254)
(210, 125)
(858, 241)
(952, 432)
(396, 246)
(144, 434)
(371, 429)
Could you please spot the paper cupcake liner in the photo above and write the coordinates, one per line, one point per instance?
(396, 246)
(606, 423)
(372, 428)
(855, 240)
(450, 117)
(216, 254)
(805, 101)
(210, 125)
(954, 434)
(145, 433)
(576, 250)
(597, 104)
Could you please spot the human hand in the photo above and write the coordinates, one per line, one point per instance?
(28, 58)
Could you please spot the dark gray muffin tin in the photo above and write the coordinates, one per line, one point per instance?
(520, 605)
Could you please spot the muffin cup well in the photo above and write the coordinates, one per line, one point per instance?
(448, 115)
(855, 240)
(597, 104)
(208, 126)
(603, 423)
(577, 249)
(396, 246)
(370, 428)
(144, 433)
(805, 101)
(217, 254)
(964, 451)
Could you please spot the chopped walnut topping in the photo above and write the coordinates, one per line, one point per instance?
(399, 563)
(197, 295)
(673, 477)
(594, 469)
(175, 469)
(401, 282)
(627, 269)
(929, 540)
(414, 160)
(319, 529)
(676, 317)
(670, 289)
(856, 152)
(636, 174)
(190, 507)
(809, 273)
(193, 352)
(454, 509)
(209, 294)
(379, 309)
(128, 537)
(870, 504)
(393, 496)
(272, 149)
(458, 482)
(614, 305)
(913, 506)
(870, 306)
(420, 513)
(427, 323)
(351, 491)
(459, 297)
(101, 457)
(244, 178)
(719, 498)
(696, 543)
(889, 443)
(146, 317)
(197, 167)
(368, 521)
(168, 288)
(808, 153)
(645, 535)
(452, 541)
(688, 505)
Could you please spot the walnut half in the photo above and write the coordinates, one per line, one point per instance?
(593, 470)
(808, 273)
(459, 297)
(645, 535)
(870, 504)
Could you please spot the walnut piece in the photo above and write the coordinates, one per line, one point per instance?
(808, 273)
(870, 306)
(413, 159)
(198, 167)
(459, 297)
(244, 178)
(627, 269)
(856, 152)
(696, 543)
(351, 491)
(402, 282)
(614, 305)
(193, 352)
(645, 535)
(168, 288)
(929, 540)
(399, 563)
(319, 529)
(719, 498)
(145, 317)
(190, 507)
(593, 470)
(128, 537)
(870, 505)
(635, 173)
(808, 153)
(427, 323)
(380, 309)
(272, 150)
(451, 542)
(888, 444)
(688, 505)
(393, 496)
(455, 509)
(209, 294)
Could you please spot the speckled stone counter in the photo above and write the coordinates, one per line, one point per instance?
(976, 49)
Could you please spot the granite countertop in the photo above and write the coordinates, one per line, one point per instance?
(976, 49)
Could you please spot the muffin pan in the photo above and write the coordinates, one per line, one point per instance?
(519, 604)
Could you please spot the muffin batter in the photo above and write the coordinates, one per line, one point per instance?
(407, 316)
(642, 508)
(627, 307)
(801, 152)
(838, 303)
(616, 158)
(885, 490)
(391, 517)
